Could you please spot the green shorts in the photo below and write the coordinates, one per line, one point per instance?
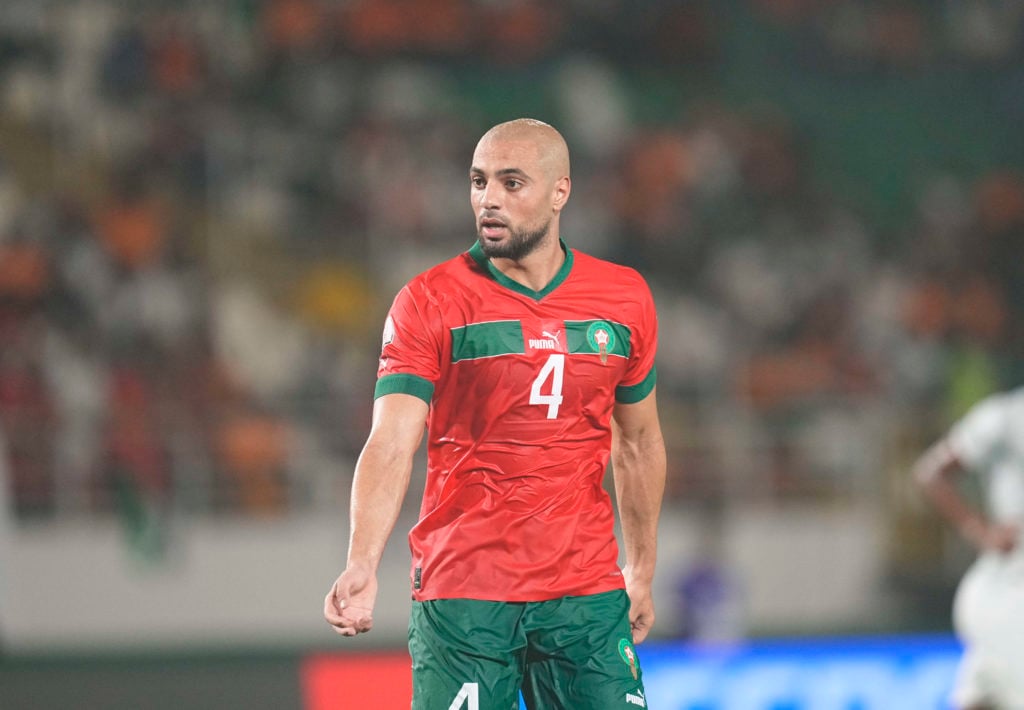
(573, 653)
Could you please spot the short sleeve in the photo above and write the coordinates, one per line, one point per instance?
(976, 439)
(410, 359)
(641, 373)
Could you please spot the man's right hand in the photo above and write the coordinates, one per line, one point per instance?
(349, 605)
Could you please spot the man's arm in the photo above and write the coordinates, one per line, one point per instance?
(378, 488)
(936, 471)
(638, 467)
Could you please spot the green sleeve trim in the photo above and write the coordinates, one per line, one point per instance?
(632, 394)
(404, 384)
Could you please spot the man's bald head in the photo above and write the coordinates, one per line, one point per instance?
(552, 152)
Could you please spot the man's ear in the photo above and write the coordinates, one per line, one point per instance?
(563, 186)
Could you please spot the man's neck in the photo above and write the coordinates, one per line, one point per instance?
(536, 269)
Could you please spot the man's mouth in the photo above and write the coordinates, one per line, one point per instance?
(491, 228)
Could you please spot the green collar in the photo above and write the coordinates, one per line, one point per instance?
(477, 252)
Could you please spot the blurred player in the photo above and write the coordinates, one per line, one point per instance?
(988, 611)
(530, 365)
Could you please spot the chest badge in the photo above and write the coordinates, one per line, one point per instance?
(601, 338)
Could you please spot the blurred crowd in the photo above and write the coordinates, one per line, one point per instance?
(206, 207)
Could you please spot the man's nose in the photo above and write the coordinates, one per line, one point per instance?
(490, 196)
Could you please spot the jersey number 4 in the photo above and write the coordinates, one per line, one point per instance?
(469, 696)
(553, 370)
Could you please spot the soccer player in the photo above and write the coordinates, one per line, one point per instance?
(531, 365)
(988, 611)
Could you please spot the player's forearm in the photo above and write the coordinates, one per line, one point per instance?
(935, 472)
(378, 489)
(639, 470)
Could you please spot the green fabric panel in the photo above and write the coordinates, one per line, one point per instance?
(478, 340)
(580, 337)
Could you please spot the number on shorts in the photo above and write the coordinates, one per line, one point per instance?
(468, 694)
(553, 368)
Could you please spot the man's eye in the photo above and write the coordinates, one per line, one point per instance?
(513, 184)
(477, 181)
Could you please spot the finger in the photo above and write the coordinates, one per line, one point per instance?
(347, 624)
(332, 610)
(359, 618)
(639, 632)
(340, 613)
(641, 625)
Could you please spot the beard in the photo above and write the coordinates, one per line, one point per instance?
(520, 243)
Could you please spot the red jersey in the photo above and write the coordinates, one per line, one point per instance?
(521, 386)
